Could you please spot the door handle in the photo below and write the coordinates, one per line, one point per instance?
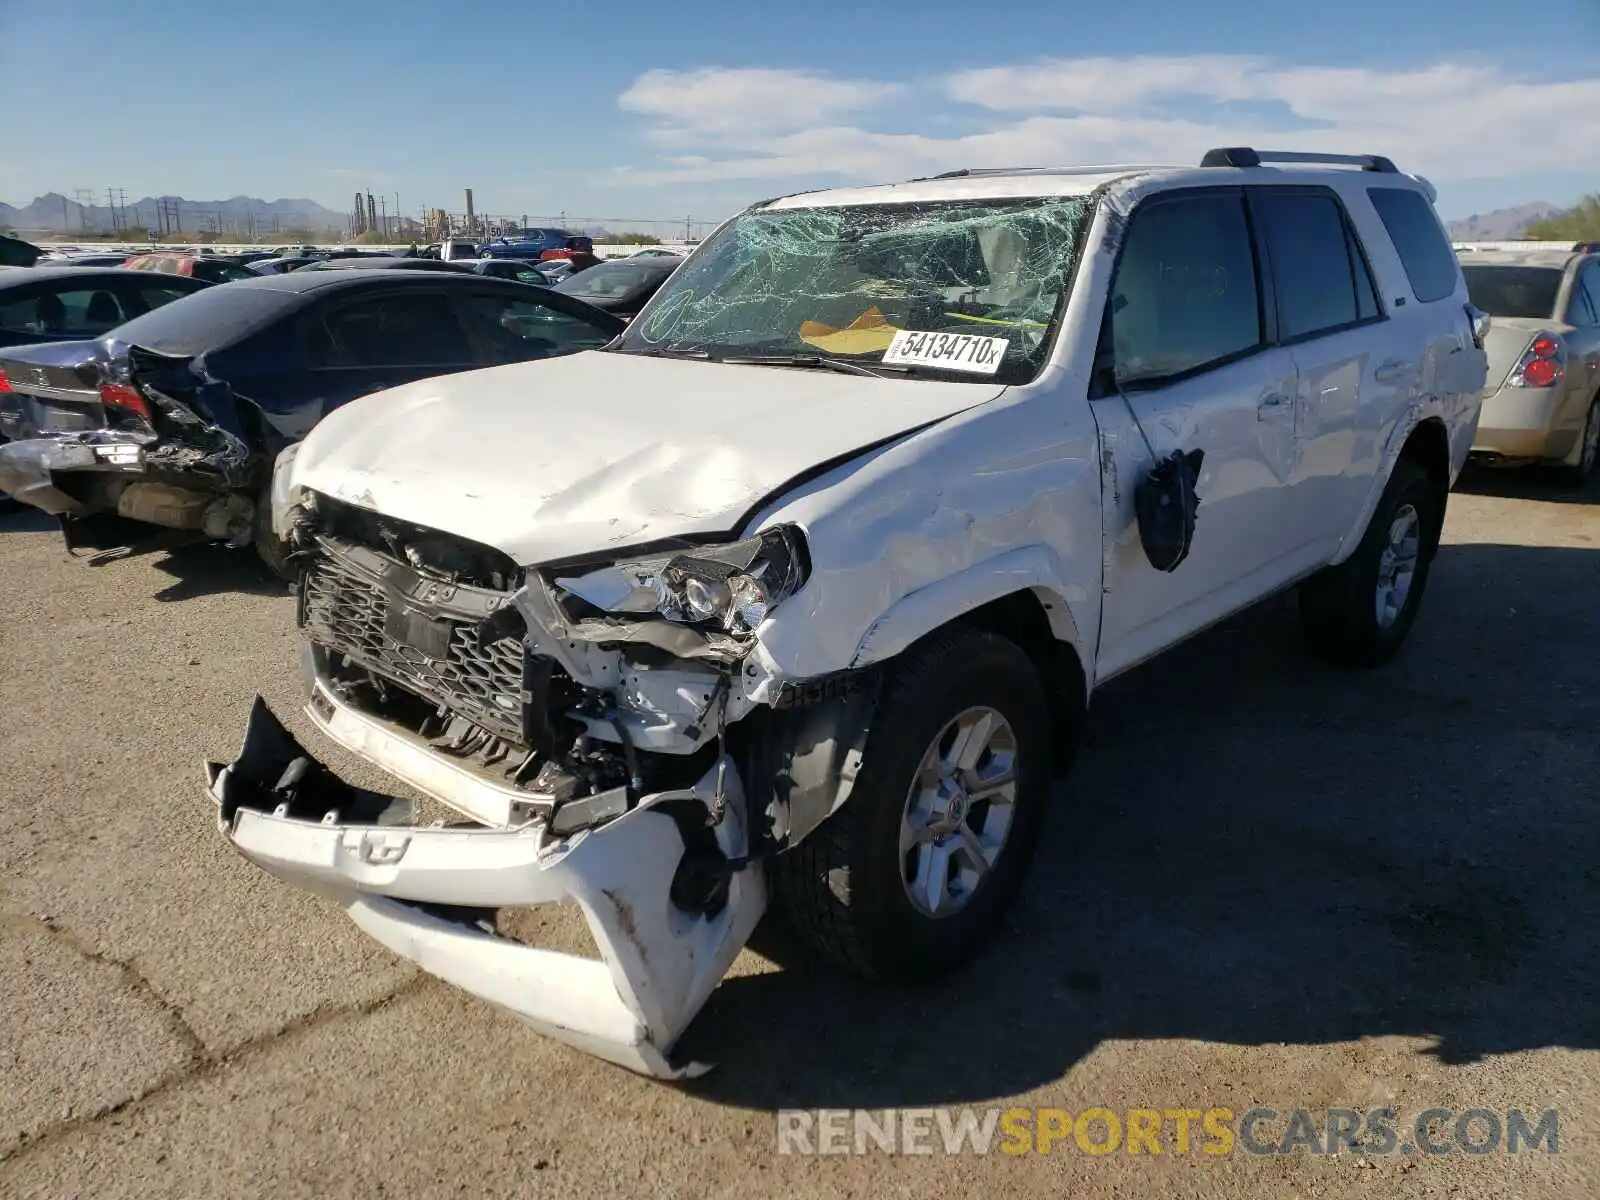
(1393, 371)
(1270, 403)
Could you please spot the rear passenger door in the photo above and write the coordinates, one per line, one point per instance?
(1583, 314)
(365, 344)
(1352, 373)
(1187, 341)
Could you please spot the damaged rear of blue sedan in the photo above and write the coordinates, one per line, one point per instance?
(174, 419)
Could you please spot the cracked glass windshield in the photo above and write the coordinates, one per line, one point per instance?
(952, 290)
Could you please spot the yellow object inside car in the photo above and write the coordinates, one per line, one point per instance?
(869, 332)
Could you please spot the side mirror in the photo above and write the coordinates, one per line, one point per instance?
(1481, 323)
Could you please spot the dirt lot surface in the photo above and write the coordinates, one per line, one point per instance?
(1269, 884)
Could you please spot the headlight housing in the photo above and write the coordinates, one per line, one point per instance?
(730, 588)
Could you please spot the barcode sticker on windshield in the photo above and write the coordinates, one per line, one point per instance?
(949, 351)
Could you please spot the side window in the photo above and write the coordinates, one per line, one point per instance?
(1185, 291)
(69, 313)
(1414, 229)
(1313, 268)
(1586, 296)
(517, 329)
(153, 295)
(415, 330)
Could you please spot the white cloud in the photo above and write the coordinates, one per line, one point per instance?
(731, 99)
(1102, 85)
(1449, 120)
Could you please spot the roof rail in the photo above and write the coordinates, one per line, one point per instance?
(1091, 169)
(1244, 156)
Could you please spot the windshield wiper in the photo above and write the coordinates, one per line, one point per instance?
(666, 352)
(814, 362)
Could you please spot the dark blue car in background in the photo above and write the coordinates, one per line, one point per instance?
(531, 243)
(175, 418)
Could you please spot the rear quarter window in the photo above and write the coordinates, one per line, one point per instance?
(1429, 262)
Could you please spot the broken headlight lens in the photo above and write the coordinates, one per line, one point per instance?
(731, 588)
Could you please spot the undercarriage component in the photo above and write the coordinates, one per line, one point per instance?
(657, 887)
(226, 517)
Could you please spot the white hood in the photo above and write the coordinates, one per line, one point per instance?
(578, 454)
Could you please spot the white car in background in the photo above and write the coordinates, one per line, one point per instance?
(805, 597)
(1542, 403)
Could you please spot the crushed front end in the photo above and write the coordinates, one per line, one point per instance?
(578, 720)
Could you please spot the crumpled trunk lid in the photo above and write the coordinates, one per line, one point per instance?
(54, 388)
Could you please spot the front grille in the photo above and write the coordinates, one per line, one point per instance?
(357, 607)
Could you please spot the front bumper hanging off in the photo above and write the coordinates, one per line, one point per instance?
(429, 892)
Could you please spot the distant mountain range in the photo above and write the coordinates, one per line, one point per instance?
(55, 213)
(1503, 224)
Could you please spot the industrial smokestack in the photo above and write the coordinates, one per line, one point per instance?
(471, 226)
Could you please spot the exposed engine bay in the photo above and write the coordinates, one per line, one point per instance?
(584, 691)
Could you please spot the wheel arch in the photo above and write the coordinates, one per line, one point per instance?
(1018, 595)
(1428, 445)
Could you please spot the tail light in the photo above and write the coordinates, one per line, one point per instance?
(121, 395)
(5, 384)
(1542, 364)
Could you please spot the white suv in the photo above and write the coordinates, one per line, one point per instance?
(798, 591)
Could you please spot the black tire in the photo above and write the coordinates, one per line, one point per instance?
(841, 889)
(1583, 471)
(1338, 606)
(269, 547)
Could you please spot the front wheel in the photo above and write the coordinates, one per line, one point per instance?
(912, 874)
(1358, 613)
(272, 550)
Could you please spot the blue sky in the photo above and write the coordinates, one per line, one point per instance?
(631, 109)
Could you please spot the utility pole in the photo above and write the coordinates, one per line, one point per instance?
(383, 215)
(84, 199)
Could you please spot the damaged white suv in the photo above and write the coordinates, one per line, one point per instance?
(797, 592)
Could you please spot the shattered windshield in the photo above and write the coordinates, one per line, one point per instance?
(950, 289)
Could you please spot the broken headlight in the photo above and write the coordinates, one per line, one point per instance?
(730, 588)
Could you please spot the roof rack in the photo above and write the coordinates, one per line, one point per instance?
(1099, 169)
(1244, 156)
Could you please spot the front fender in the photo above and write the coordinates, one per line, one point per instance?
(919, 613)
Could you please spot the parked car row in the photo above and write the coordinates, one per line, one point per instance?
(172, 403)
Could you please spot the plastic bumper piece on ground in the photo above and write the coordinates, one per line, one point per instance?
(408, 885)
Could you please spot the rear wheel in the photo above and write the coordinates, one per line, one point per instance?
(910, 877)
(1583, 470)
(1359, 613)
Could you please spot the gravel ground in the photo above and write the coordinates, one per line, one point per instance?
(1269, 883)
